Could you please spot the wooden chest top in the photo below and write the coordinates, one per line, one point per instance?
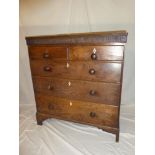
(80, 38)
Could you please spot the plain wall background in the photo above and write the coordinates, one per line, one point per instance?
(46, 17)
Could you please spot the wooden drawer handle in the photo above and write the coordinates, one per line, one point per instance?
(50, 106)
(92, 92)
(92, 71)
(93, 56)
(45, 55)
(50, 87)
(92, 114)
(47, 68)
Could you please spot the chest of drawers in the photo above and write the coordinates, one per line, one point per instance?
(78, 77)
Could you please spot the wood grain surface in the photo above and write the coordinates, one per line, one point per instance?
(103, 71)
(80, 90)
(78, 77)
(78, 110)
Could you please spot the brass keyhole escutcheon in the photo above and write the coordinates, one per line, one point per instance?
(67, 65)
(94, 50)
(69, 83)
(70, 103)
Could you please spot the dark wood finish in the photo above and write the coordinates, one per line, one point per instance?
(42, 116)
(80, 38)
(96, 53)
(48, 52)
(78, 110)
(78, 77)
(84, 70)
(80, 90)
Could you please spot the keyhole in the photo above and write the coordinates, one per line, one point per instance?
(94, 50)
(67, 65)
(70, 103)
(69, 83)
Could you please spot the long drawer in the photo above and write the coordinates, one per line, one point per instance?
(90, 70)
(106, 93)
(97, 114)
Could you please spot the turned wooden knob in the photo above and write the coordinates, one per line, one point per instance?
(94, 56)
(92, 71)
(45, 55)
(47, 68)
(50, 87)
(92, 114)
(92, 92)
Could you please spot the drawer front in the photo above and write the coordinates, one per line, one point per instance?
(106, 93)
(47, 52)
(95, 71)
(96, 53)
(97, 114)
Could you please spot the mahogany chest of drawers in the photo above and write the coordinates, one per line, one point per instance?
(78, 77)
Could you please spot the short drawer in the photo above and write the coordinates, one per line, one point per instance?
(96, 52)
(97, 114)
(104, 93)
(47, 52)
(90, 70)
